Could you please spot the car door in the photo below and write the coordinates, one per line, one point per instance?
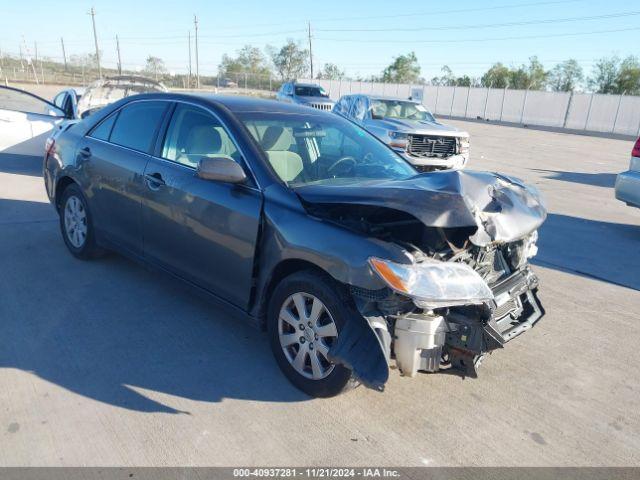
(202, 230)
(66, 101)
(26, 121)
(113, 157)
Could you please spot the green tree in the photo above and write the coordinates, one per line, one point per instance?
(528, 77)
(497, 76)
(155, 66)
(403, 69)
(290, 61)
(566, 76)
(628, 78)
(464, 81)
(248, 60)
(605, 75)
(447, 78)
(330, 71)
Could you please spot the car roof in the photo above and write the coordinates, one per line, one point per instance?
(395, 99)
(298, 84)
(239, 103)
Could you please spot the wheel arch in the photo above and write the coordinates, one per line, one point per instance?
(281, 270)
(61, 185)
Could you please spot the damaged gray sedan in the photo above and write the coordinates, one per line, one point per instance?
(317, 231)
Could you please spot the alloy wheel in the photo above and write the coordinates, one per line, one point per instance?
(75, 221)
(307, 330)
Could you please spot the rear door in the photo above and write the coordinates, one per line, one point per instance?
(26, 121)
(115, 154)
(202, 230)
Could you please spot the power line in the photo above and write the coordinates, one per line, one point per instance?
(405, 15)
(488, 39)
(486, 25)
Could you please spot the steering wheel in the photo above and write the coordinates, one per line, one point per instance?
(342, 160)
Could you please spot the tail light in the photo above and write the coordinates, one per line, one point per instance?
(636, 149)
(49, 146)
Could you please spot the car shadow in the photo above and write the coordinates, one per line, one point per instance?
(21, 164)
(606, 251)
(607, 180)
(121, 334)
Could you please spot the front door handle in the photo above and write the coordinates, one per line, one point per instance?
(85, 152)
(154, 180)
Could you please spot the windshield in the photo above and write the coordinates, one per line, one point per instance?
(400, 109)
(310, 91)
(313, 149)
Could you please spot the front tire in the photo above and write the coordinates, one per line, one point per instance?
(76, 224)
(305, 316)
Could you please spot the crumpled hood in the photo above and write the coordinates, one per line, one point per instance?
(503, 208)
(418, 126)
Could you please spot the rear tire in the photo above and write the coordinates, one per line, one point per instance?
(300, 341)
(76, 224)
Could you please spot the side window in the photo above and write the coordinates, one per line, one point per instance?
(359, 109)
(58, 101)
(343, 106)
(21, 101)
(194, 133)
(103, 130)
(136, 125)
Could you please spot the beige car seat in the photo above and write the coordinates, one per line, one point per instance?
(276, 142)
(202, 141)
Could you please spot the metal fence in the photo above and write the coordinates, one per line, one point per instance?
(591, 112)
(81, 76)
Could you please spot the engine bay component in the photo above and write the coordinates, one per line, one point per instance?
(419, 339)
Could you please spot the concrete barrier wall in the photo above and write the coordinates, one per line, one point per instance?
(615, 114)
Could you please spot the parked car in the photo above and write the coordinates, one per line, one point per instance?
(107, 90)
(26, 120)
(67, 100)
(309, 94)
(410, 129)
(310, 226)
(227, 83)
(628, 183)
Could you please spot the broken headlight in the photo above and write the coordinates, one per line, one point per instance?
(398, 139)
(434, 284)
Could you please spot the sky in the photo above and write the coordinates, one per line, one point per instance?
(361, 37)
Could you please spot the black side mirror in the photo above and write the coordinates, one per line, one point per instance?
(221, 169)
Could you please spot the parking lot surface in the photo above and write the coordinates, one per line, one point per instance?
(107, 363)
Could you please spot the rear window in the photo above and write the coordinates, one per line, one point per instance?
(302, 91)
(136, 125)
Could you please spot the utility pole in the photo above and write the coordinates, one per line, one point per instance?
(35, 51)
(195, 22)
(92, 12)
(119, 59)
(64, 54)
(310, 50)
(189, 77)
